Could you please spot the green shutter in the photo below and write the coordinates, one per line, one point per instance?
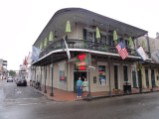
(131, 45)
(98, 36)
(51, 36)
(68, 27)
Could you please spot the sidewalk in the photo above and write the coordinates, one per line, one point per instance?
(61, 95)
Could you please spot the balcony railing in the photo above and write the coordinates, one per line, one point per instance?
(83, 44)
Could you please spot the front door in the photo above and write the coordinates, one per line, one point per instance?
(134, 79)
(147, 78)
(78, 74)
(153, 78)
(116, 77)
(125, 73)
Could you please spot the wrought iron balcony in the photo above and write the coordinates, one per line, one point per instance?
(83, 44)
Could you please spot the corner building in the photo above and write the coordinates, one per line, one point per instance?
(92, 51)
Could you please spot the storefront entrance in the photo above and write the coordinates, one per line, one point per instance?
(153, 78)
(78, 74)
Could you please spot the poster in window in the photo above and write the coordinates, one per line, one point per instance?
(62, 76)
(102, 75)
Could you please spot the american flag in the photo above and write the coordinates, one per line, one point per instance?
(122, 50)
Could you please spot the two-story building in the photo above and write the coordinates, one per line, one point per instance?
(89, 51)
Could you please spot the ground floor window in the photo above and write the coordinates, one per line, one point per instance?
(102, 74)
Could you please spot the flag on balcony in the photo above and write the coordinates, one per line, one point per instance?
(98, 36)
(35, 53)
(142, 53)
(68, 27)
(122, 50)
(51, 36)
(115, 36)
(67, 49)
(25, 62)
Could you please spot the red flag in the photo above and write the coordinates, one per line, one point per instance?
(122, 50)
(25, 62)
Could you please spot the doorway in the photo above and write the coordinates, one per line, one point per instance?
(78, 74)
(153, 78)
(147, 78)
(125, 73)
(134, 79)
(116, 77)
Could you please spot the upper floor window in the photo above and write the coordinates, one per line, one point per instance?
(88, 35)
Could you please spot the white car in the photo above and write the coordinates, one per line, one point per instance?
(10, 79)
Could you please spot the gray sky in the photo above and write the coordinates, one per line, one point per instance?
(21, 21)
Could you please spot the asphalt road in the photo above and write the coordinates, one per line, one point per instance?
(33, 105)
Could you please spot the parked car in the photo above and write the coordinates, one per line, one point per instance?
(9, 79)
(21, 82)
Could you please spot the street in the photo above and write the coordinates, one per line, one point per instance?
(27, 103)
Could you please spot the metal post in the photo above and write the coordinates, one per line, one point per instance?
(140, 76)
(151, 79)
(89, 80)
(110, 92)
(45, 91)
(40, 80)
(52, 93)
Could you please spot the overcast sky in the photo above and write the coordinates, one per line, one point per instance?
(21, 21)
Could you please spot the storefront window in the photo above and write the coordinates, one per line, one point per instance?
(102, 75)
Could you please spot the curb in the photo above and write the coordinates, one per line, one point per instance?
(111, 96)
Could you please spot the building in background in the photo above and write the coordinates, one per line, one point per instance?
(3, 69)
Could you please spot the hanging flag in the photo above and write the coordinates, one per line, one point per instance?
(25, 62)
(98, 36)
(35, 53)
(68, 27)
(51, 36)
(122, 50)
(115, 36)
(142, 53)
(67, 49)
